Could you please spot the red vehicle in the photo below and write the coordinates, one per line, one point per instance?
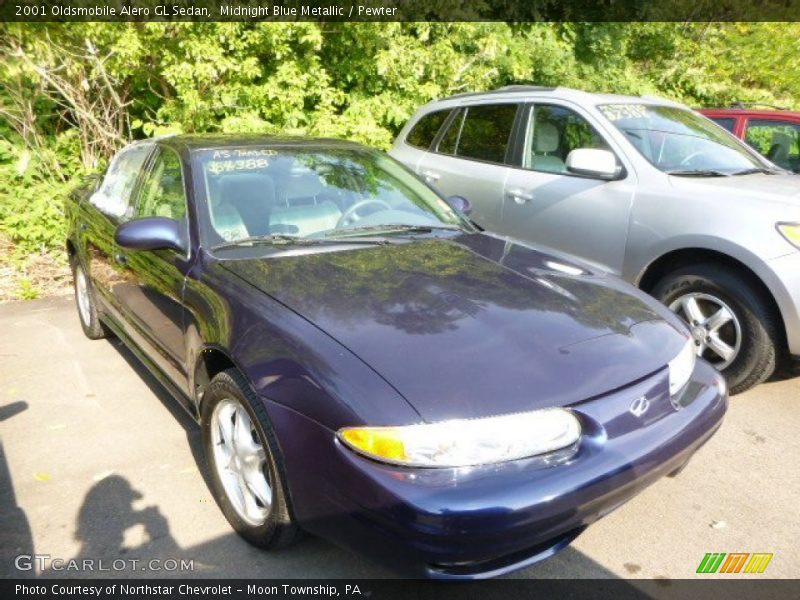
(773, 132)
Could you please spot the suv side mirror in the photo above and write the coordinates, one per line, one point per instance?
(152, 233)
(593, 162)
(460, 204)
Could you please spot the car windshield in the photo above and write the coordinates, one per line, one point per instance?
(680, 141)
(285, 193)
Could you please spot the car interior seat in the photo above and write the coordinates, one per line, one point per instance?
(228, 223)
(252, 195)
(780, 149)
(546, 141)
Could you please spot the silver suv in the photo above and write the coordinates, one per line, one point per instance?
(642, 187)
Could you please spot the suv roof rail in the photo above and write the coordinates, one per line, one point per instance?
(741, 105)
(525, 88)
(507, 88)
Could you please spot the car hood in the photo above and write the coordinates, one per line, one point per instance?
(781, 189)
(474, 325)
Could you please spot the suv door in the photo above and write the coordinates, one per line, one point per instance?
(112, 205)
(152, 294)
(778, 140)
(546, 204)
(468, 158)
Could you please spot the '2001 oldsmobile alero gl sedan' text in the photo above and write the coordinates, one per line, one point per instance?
(368, 365)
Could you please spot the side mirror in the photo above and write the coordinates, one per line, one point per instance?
(152, 233)
(593, 162)
(460, 204)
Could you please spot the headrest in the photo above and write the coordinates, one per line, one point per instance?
(304, 186)
(545, 137)
(247, 187)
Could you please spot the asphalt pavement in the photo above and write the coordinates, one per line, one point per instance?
(97, 463)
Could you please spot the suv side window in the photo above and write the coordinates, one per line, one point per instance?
(779, 141)
(113, 197)
(484, 132)
(423, 133)
(163, 193)
(449, 141)
(553, 132)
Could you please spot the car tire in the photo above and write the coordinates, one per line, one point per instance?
(224, 398)
(758, 331)
(92, 326)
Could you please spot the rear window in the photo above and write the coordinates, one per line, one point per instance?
(425, 130)
(486, 131)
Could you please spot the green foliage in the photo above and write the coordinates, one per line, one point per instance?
(72, 93)
(26, 290)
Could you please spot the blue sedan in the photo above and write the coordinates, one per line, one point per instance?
(368, 365)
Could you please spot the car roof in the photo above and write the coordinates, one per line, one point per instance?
(210, 141)
(521, 92)
(748, 112)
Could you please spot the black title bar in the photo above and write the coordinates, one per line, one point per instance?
(398, 10)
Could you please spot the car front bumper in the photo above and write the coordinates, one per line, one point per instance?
(478, 522)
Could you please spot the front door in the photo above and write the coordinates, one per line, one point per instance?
(152, 294)
(545, 204)
(112, 204)
(777, 139)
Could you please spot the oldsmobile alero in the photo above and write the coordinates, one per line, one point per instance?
(368, 365)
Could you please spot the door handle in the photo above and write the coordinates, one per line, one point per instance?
(121, 259)
(431, 176)
(520, 196)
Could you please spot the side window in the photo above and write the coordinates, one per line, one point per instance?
(724, 122)
(449, 141)
(163, 193)
(779, 141)
(485, 132)
(554, 132)
(426, 129)
(113, 197)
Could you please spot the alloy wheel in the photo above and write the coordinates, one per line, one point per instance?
(82, 296)
(241, 462)
(715, 328)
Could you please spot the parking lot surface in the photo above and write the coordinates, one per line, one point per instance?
(97, 462)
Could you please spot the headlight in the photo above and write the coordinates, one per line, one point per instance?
(791, 231)
(462, 443)
(681, 367)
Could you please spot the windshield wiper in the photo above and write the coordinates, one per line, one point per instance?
(699, 173)
(764, 170)
(389, 228)
(278, 239)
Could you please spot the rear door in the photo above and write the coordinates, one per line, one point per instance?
(777, 139)
(411, 149)
(469, 158)
(545, 204)
(151, 294)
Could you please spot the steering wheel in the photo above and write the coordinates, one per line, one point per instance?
(693, 155)
(351, 215)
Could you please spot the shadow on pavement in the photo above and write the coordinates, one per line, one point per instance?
(16, 537)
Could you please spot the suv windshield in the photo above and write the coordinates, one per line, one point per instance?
(680, 141)
(285, 193)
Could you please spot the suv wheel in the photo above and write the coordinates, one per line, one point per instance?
(731, 322)
(247, 475)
